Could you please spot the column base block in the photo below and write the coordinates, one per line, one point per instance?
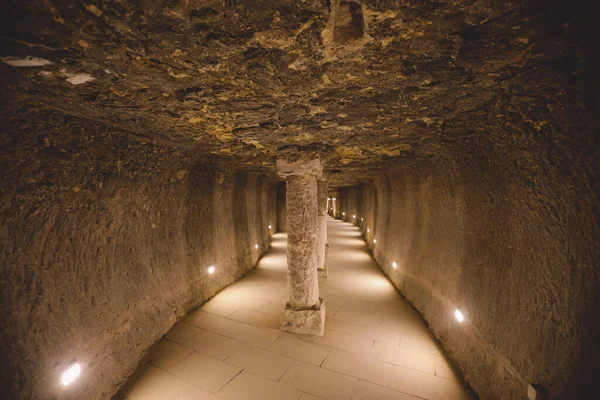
(323, 272)
(306, 322)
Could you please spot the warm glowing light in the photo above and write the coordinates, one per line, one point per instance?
(459, 316)
(270, 226)
(256, 246)
(354, 216)
(211, 270)
(70, 374)
(343, 213)
(374, 240)
(362, 219)
(368, 230)
(394, 265)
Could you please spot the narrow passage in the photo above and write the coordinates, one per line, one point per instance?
(375, 345)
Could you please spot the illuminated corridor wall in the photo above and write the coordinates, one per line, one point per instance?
(97, 264)
(510, 247)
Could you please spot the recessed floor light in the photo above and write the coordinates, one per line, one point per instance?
(459, 316)
(70, 374)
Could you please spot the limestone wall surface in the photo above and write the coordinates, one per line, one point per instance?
(106, 241)
(508, 238)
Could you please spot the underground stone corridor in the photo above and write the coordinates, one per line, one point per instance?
(383, 199)
(375, 345)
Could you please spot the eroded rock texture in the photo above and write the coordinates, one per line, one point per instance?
(106, 240)
(138, 139)
(281, 208)
(514, 249)
(303, 225)
(322, 222)
(304, 312)
(384, 80)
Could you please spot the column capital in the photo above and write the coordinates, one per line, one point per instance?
(301, 167)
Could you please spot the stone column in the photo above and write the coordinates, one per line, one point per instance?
(322, 230)
(304, 311)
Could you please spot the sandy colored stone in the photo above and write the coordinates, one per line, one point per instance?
(322, 226)
(306, 321)
(301, 199)
(465, 133)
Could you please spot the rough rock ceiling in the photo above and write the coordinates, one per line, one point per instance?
(359, 82)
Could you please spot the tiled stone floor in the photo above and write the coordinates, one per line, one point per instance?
(375, 345)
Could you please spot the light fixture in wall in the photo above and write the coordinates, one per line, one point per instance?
(70, 374)
(374, 240)
(362, 219)
(459, 316)
(354, 216)
(394, 265)
(368, 230)
(343, 213)
(211, 270)
(270, 227)
(256, 246)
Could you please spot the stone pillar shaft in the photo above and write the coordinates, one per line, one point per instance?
(305, 311)
(301, 202)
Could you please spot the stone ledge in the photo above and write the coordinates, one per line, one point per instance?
(307, 322)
